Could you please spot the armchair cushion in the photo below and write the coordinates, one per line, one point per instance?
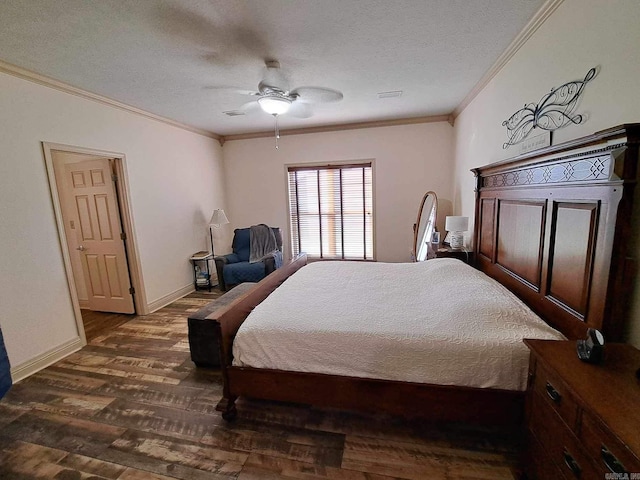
(230, 258)
(241, 272)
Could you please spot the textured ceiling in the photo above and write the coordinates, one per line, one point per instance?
(184, 60)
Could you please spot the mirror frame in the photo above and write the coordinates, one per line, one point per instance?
(416, 226)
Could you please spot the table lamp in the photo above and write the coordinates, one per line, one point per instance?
(456, 226)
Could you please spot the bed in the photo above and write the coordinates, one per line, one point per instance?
(552, 227)
(414, 331)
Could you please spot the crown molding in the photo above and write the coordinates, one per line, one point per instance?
(534, 24)
(63, 87)
(28, 75)
(340, 127)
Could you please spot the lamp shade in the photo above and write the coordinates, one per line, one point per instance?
(456, 224)
(218, 217)
(274, 104)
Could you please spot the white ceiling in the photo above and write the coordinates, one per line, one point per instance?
(184, 59)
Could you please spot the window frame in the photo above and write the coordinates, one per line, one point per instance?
(359, 163)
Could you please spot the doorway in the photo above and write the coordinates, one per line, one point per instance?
(90, 197)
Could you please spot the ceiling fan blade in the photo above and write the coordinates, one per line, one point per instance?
(250, 108)
(300, 110)
(317, 95)
(247, 92)
(239, 91)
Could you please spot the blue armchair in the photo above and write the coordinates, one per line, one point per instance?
(235, 268)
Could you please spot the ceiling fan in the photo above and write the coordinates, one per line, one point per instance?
(275, 97)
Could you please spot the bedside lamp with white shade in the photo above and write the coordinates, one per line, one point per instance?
(456, 226)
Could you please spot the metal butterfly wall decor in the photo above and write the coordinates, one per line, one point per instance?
(554, 111)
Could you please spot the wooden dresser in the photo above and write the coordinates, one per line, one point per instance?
(582, 420)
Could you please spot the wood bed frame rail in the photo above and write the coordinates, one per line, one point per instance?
(227, 321)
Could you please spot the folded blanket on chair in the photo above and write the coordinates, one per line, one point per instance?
(262, 243)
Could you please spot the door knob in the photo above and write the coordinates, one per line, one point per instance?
(81, 248)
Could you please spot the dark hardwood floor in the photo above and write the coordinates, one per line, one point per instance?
(98, 323)
(131, 405)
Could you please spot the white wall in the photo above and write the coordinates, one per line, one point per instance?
(579, 35)
(175, 179)
(408, 161)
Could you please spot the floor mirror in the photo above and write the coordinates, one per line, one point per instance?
(425, 227)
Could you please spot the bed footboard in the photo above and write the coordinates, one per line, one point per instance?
(228, 320)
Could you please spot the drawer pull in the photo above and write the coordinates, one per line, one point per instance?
(571, 463)
(610, 460)
(553, 393)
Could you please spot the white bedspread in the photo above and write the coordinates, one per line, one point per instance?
(439, 322)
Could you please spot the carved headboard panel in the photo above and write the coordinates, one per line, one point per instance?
(553, 226)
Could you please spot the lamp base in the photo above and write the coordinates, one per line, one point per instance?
(457, 240)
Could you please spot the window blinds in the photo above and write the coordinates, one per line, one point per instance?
(331, 211)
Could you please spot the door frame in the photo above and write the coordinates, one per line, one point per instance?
(126, 217)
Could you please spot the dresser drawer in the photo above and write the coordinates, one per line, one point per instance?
(607, 451)
(558, 441)
(554, 393)
(537, 464)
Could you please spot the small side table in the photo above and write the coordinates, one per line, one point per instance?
(201, 272)
(445, 251)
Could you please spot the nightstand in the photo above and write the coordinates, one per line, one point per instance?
(444, 251)
(201, 272)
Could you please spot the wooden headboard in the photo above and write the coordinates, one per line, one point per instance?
(553, 226)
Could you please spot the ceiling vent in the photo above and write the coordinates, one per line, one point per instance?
(234, 113)
(393, 94)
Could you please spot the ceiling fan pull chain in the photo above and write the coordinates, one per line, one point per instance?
(277, 130)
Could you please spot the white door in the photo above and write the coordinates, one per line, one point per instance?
(99, 235)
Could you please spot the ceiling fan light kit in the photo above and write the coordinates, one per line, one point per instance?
(274, 104)
(275, 97)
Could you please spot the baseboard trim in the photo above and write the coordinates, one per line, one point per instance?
(28, 368)
(84, 304)
(171, 297)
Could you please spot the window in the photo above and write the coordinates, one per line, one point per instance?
(331, 211)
